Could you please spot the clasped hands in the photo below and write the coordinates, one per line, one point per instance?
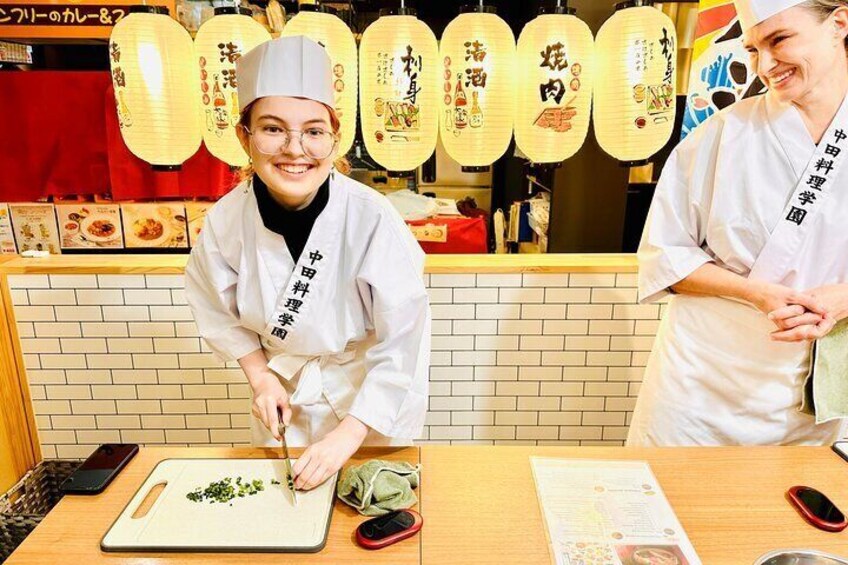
(802, 316)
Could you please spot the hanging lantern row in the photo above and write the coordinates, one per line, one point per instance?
(474, 89)
(171, 92)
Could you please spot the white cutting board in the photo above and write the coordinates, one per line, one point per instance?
(266, 521)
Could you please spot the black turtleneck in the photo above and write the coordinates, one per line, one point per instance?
(294, 225)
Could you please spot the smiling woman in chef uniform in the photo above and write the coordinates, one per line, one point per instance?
(309, 279)
(747, 230)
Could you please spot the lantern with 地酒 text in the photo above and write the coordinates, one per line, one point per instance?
(219, 42)
(320, 24)
(155, 82)
(477, 53)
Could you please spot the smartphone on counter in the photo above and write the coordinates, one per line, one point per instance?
(817, 509)
(99, 469)
(841, 449)
(386, 530)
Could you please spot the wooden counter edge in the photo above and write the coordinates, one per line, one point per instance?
(17, 416)
(435, 264)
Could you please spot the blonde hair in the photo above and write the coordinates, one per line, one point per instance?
(341, 164)
(824, 8)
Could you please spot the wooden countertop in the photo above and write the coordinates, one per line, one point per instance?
(452, 264)
(481, 502)
(479, 505)
(71, 532)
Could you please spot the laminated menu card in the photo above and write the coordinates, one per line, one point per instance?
(7, 236)
(608, 513)
(90, 225)
(196, 213)
(35, 227)
(154, 225)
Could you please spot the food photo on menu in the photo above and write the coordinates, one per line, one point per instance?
(155, 225)
(90, 225)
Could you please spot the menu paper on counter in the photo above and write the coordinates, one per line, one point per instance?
(35, 227)
(7, 236)
(600, 512)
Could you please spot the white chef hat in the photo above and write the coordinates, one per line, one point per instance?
(752, 12)
(287, 66)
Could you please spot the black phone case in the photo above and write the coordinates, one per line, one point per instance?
(842, 454)
(94, 481)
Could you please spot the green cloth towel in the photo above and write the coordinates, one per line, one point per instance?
(378, 487)
(826, 387)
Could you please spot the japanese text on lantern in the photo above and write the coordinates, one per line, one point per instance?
(473, 79)
(219, 117)
(119, 83)
(657, 98)
(563, 77)
(399, 111)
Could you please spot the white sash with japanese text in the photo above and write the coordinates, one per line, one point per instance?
(810, 197)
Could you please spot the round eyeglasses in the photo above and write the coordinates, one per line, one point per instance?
(317, 143)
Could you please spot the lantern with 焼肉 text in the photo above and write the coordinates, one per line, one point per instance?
(555, 60)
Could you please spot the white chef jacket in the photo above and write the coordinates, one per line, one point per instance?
(347, 328)
(714, 376)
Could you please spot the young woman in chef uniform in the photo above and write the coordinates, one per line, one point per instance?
(309, 279)
(747, 230)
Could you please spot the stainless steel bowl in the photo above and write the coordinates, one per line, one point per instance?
(800, 557)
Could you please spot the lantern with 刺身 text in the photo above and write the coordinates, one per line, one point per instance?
(219, 42)
(555, 61)
(155, 81)
(634, 100)
(399, 90)
(320, 24)
(477, 55)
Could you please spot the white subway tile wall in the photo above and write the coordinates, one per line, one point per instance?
(533, 359)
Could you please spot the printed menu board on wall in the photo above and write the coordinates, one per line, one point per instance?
(89, 225)
(155, 225)
(35, 227)
(7, 237)
(196, 213)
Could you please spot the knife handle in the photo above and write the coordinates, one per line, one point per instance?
(281, 427)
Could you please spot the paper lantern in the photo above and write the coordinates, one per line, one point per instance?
(635, 88)
(155, 80)
(477, 53)
(219, 42)
(555, 59)
(320, 24)
(400, 90)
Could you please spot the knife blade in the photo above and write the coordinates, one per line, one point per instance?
(281, 429)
